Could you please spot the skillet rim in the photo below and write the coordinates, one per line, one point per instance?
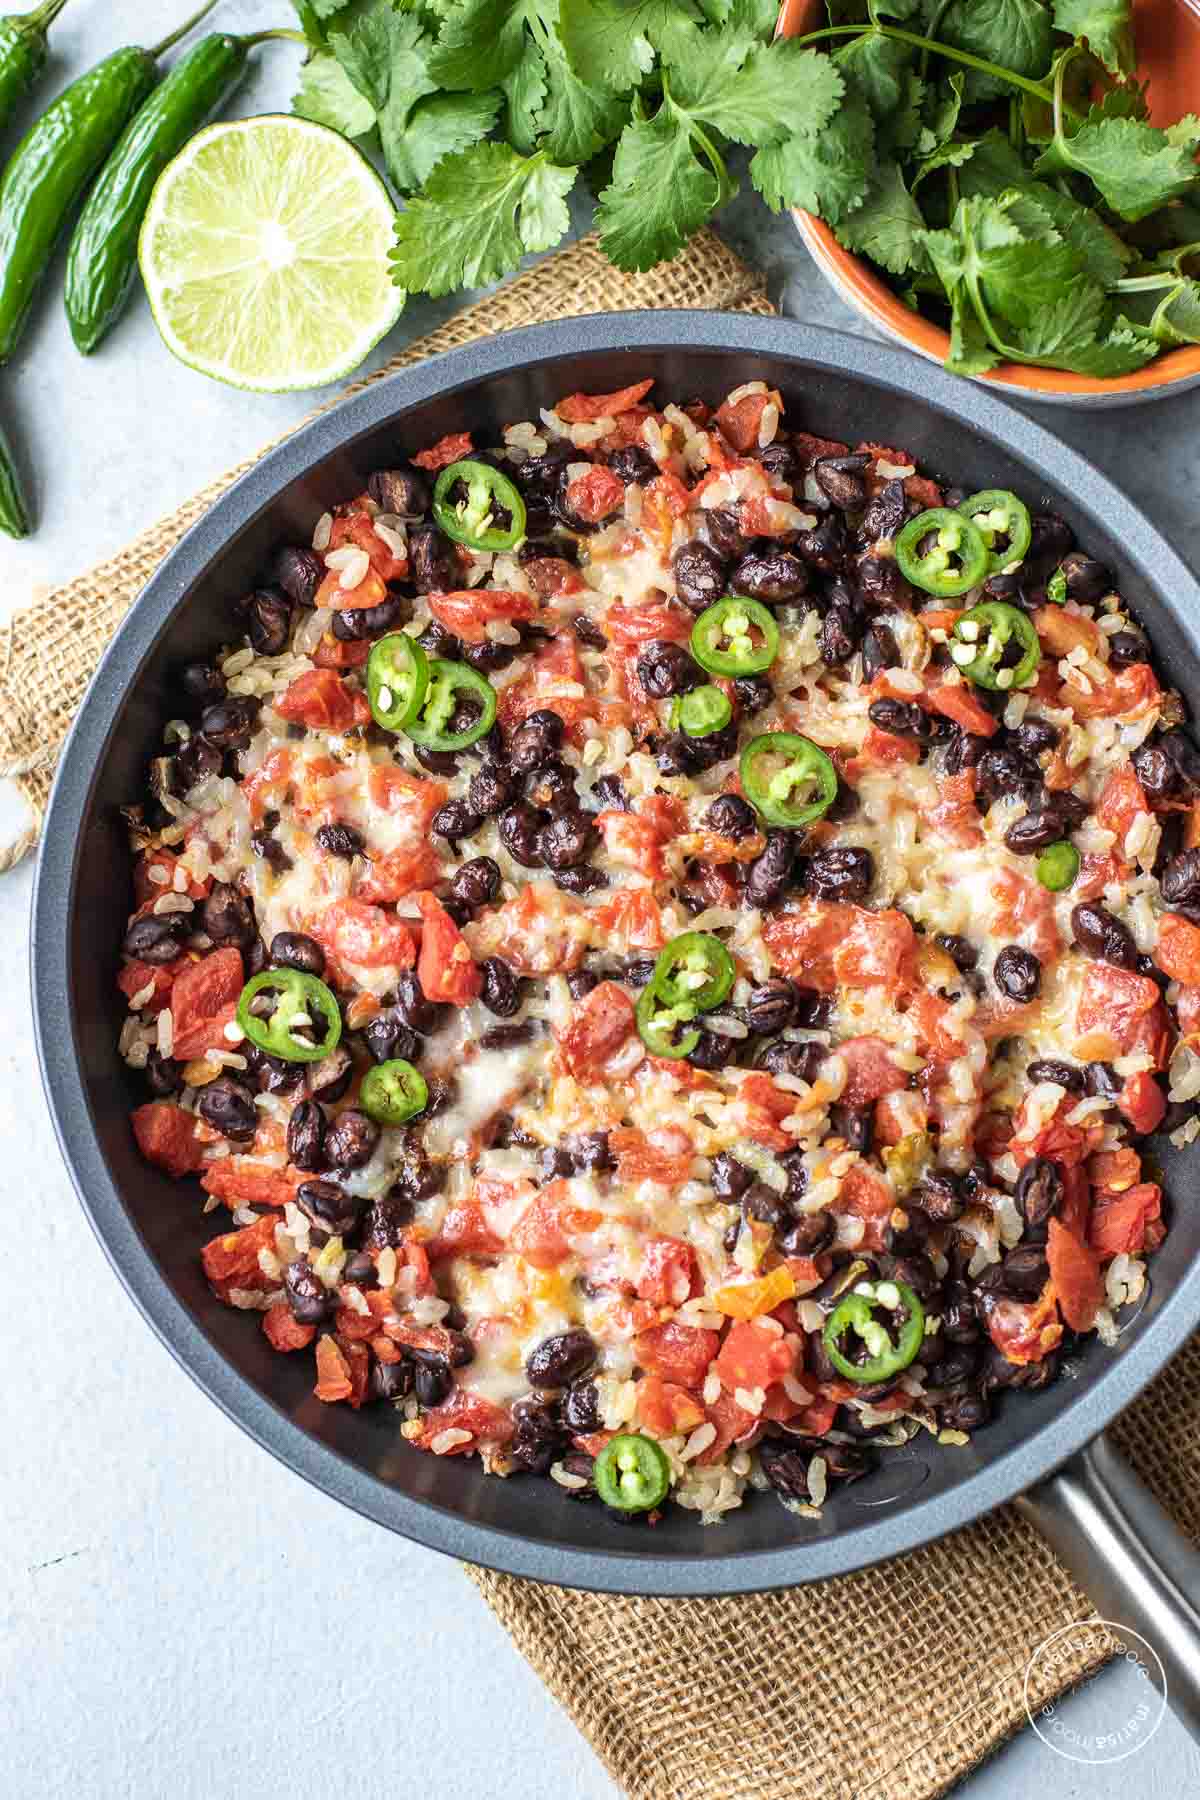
(640, 1572)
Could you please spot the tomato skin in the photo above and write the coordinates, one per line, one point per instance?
(960, 704)
(332, 653)
(824, 943)
(354, 931)
(585, 409)
(631, 920)
(1128, 694)
(1119, 1220)
(166, 1137)
(633, 841)
(550, 576)
(393, 877)
(144, 889)
(1026, 1333)
(871, 1072)
(596, 496)
(1075, 1272)
(665, 1408)
(465, 1411)
(752, 1357)
(445, 968)
(884, 748)
(542, 932)
(452, 448)
(679, 1353)
(319, 699)
(868, 1197)
(357, 527)
(1122, 798)
(601, 1023)
(239, 1181)
(633, 625)
(235, 1253)
(1177, 951)
(467, 611)
(1024, 914)
(201, 998)
(667, 1274)
(541, 1235)
(1143, 1103)
(283, 1332)
(764, 1106)
(739, 421)
(464, 1231)
(639, 1158)
(1113, 1004)
(1061, 631)
(135, 976)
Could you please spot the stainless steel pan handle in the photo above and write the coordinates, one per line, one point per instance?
(1130, 1558)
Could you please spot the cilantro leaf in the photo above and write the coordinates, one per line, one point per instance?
(1065, 335)
(1038, 208)
(525, 88)
(480, 43)
(612, 43)
(437, 126)
(888, 225)
(994, 166)
(882, 72)
(1136, 167)
(827, 174)
(1184, 132)
(1169, 315)
(970, 352)
(940, 113)
(755, 93)
(578, 119)
(1017, 34)
(383, 52)
(481, 210)
(659, 194)
(1107, 25)
(327, 96)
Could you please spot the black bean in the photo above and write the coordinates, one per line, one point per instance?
(768, 875)
(638, 970)
(271, 1074)
(580, 1409)
(296, 950)
(730, 1178)
(664, 669)
(632, 463)
(588, 632)
(299, 572)
(329, 1206)
(958, 1365)
(388, 1219)
(772, 1006)
(841, 479)
(388, 1036)
(960, 1323)
(309, 1300)
(229, 723)
(196, 760)
(1033, 833)
(157, 938)
(422, 1014)
(264, 843)
(506, 1037)
(227, 916)
(1100, 934)
(500, 991)
(202, 684)
(559, 1360)
(1087, 579)
(1050, 540)
(732, 817)
(785, 1467)
(306, 1137)
(880, 582)
(354, 624)
(591, 1151)
(477, 882)
(853, 1123)
(843, 873)
(963, 1412)
(699, 576)
(539, 1438)
(520, 831)
(432, 1382)
(350, 1141)
(1039, 1191)
(782, 462)
(899, 717)
(939, 1196)
(960, 950)
(455, 820)
(405, 493)
(1033, 736)
(228, 1106)
(762, 1203)
(753, 693)
(1017, 973)
(582, 880)
(1024, 1272)
(1180, 880)
(164, 1075)
(772, 576)
(720, 529)
(433, 566)
(340, 840)
(790, 1056)
(566, 840)
(535, 741)
(268, 616)
(711, 1050)
(809, 1234)
(879, 651)
(390, 1380)
(841, 633)
(580, 983)
(1126, 648)
(884, 513)
(824, 547)
(1065, 1074)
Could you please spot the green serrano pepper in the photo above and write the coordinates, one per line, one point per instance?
(102, 261)
(53, 164)
(23, 51)
(14, 514)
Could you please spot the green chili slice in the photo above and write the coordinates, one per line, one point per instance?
(737, 636)
(693, 974)
(397, 680)
(1056, 588)
(1004, 524)
(450, 685)
(1057, 866)
(702, 710)
(471, 520)
(982, 643)
(657, 1023)
(632, 1473)
(393, 1092)
(943, 552)
(302, 1003)
(787, 779)
(875, 1331)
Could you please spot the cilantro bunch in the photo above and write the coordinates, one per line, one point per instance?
(992, 157)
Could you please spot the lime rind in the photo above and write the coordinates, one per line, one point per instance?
(264, 252)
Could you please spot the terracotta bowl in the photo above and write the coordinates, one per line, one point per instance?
(1168, 35)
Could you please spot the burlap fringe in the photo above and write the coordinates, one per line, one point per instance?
(50, 649)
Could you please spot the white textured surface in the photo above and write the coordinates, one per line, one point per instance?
(178, 1614)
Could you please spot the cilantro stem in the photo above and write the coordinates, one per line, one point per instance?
(1145, 284)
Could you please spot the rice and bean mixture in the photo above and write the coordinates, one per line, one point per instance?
(667, 981)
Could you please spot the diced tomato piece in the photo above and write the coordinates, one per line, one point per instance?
(319, 699)
(868, 1196)
(1113, 1171)
(144, 889)
(753, 1356)
(1075, 1272)
(452, 448)
(823, 943)
(585, 409)
(664, 1408)
(263, 788)
(961, 704)
(678, 1353)
(903, 1113)
(356, 932)
(357, 527)
(166, 1137)
(633, 841)
(929, 1012)
(239, 1181)
(1187, 1009)
(1024, 914)
(467, 612)
(1143, 1103)
(631, 920)
(358, 1360)
(1128, 694)
(1119, 1220)
(596, 496)
(386, 879)
(1177, 951)
(541, 932)
(667, 1273)
(333, 1371)
(550, 576)
(332, 653)
(739, 421)
(1122, 798)
(871, 1072)
(462, 1410)
(600, 1025)
(200, 998)
(446, 969)
(370, 591)
(135, 977)
(1069, 1145)
(1061, 631)
(751, 1299)
(885, 748)
(542, 1233)
(1113, 1003)
(764, 1106)
(235, 1253)
(413, 798)
(1095, 874)
(556, 665)
(283, 1331)
(1026, 1332)
(630, 625)
(665, 500)
(955, 815)
(641, 1158)
(464, 1231)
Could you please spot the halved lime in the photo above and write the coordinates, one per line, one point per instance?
(265, 254)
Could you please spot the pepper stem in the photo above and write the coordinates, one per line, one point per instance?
(181, 32)
(42, 18)
(266, 37)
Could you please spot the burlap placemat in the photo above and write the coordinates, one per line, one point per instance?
(886, 1685)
